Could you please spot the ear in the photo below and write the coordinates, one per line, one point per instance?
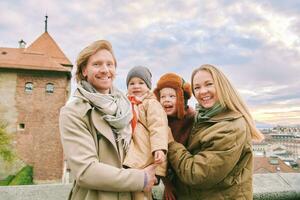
(84, 71)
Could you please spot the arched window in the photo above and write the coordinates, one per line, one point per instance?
(28, 87)
(50, 88)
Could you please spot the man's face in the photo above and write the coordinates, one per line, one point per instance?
(100, 71)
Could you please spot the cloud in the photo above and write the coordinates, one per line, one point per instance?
(255, 43)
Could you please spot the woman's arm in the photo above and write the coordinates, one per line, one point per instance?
(215, 161)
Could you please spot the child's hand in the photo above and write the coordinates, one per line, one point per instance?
(159, 157)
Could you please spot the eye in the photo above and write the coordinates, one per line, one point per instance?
(110, 64)
(141, 83)
(173, 96)
(131, 83)
(196, 88)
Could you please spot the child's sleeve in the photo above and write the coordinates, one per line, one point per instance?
(157, 123)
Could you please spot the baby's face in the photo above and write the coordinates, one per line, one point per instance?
(137, 87)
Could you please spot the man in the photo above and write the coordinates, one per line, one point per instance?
(95, 131)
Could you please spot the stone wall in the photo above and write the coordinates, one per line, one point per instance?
(8, 111)
(278, 186)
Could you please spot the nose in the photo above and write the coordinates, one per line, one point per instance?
(168, 98)
(103, 69)
(203, 90)
(136, 86)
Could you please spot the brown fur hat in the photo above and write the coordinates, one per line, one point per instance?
(183, 90)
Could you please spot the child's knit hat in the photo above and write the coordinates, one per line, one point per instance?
(142, 73)
(182, 88)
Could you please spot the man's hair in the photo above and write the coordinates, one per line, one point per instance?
(87, 52)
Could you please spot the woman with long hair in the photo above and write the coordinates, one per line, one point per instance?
(217, 160)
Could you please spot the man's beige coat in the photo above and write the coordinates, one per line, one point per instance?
(94, 156)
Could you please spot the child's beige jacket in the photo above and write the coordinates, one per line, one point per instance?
(151, 134)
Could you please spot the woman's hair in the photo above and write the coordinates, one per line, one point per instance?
(229, 97)
(87, 52)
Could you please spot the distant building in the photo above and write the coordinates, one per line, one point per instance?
(34, 85)
(264, 165)
(260, 148)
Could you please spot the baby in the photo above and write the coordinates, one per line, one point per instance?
(149, 126)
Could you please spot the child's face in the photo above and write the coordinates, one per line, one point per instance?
(137, 87)
(168, 99)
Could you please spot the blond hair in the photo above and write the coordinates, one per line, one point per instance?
(87, 52)
(229, 97)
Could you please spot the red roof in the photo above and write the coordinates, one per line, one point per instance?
(42, 54)
(263, 165)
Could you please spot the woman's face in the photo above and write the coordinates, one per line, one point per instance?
(168, 100)
(204, 89)
(100, 71)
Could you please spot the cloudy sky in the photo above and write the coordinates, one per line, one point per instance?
(255, 43)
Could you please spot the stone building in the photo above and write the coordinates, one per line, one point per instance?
(34, 85)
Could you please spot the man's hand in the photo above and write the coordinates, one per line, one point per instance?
(151, 179)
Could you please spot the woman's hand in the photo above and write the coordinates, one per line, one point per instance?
(159, 157)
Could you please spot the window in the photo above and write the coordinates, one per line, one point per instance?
(28, 87)
(50, 88)
(21, 126)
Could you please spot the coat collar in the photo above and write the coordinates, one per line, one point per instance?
(102, 127)
(98, 122)
(227, 115)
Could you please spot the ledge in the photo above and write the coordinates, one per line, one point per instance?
(283, 186)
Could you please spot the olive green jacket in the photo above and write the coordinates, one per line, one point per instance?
(94, 156)
(217, 163)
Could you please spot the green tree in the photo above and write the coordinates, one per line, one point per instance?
(6, 152)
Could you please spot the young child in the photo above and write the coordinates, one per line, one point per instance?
(150, 129)
(173, 93)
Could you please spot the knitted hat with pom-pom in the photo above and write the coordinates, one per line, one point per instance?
(182, 88)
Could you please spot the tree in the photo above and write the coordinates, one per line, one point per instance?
(6, 152)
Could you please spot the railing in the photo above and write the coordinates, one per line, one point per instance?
(279, 186)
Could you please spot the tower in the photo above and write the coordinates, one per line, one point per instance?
(34, 85)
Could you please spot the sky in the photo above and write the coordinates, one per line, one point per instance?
(255, 43)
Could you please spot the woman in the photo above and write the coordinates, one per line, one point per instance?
(217, 162)
(173, 93)
(95, 131)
